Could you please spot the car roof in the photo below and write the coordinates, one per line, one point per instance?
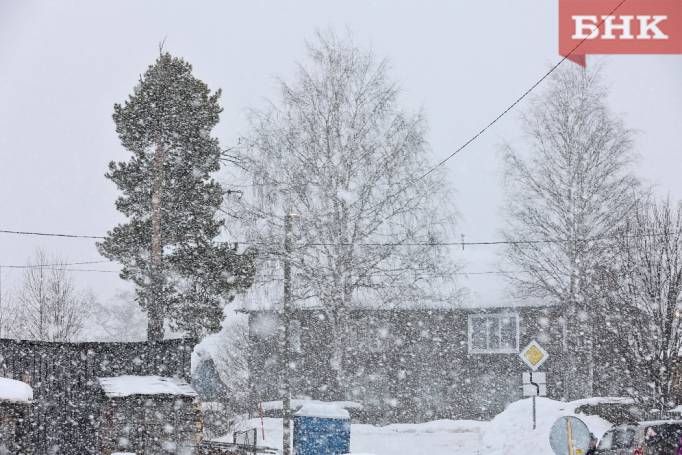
(660, 422)
(645, 423)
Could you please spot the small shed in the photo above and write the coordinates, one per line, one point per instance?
(321, 429)
(15, 408)
(149, 415)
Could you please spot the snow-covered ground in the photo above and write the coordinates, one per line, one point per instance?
(440, 437)
(509, 433)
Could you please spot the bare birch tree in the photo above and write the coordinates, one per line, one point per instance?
(572, 186)
(337, 151)
(8, 314)
(50, 306)
(643, 293)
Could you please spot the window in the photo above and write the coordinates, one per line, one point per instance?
(493, 333)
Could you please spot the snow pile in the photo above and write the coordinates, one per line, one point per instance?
(212, 346)
(11, 390)
(511, 432)
(323, 411)
(124, 386)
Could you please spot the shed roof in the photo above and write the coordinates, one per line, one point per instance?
(323, 411)
(477, 294)
(16, 391)
(125, 386)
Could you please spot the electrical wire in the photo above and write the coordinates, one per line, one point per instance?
(509, 108)
(51, 234)
(379, 244)
(64, 264)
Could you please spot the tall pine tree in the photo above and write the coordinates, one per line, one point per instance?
(169, 245)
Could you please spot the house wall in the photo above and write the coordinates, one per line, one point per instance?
(410, 365)
(151, 425)
(13, 437)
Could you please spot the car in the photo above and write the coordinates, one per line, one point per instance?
(656, 437)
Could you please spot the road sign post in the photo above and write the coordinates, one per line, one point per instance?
(534, 384)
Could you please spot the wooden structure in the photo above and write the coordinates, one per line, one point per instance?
(67, 411)
(420, 364)
(149, 415)
(15, 408)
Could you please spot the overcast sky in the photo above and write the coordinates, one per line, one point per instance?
(63, 65)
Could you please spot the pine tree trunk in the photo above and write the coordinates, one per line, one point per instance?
(154, 310)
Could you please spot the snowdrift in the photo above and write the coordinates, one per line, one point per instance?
(511, 432)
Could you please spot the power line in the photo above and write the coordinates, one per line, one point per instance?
(377, 244)
(85, 270)
(51, 234)
(63, 264)
(509, 108)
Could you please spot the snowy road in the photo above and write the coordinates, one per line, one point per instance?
(509, 433)
(434, 438)
(442, 437)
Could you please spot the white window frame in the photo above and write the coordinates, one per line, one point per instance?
(489, 316)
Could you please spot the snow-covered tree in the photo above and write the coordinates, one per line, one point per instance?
(232, 362)
(643, 293)
(169, 246)
(339, 160)
(50, 308)
(569, 190)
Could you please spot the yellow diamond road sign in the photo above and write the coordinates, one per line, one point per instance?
(533, 355)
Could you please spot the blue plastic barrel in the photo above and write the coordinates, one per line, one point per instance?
(321, 429)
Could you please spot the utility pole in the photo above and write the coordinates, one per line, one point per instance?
(285, 342)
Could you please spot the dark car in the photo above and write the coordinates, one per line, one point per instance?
(660, 437)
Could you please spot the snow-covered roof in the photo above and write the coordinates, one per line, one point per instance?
(125, 386)
(268, 296)
(16, 391)
(468, 293)
(298, 403)
(323, 411)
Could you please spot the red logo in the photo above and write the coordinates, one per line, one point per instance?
(619, 27)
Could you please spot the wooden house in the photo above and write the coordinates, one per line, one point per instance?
(74, 413)
(420, 363)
